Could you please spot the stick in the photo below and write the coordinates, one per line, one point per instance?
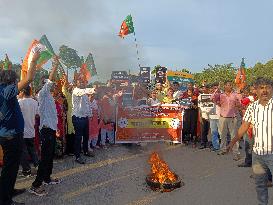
(137, 50)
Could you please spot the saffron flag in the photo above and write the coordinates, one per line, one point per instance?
(240, 79)
(84, 73)
(127, 27)
(45, 55)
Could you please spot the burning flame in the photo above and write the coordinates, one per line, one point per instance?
(160, 171)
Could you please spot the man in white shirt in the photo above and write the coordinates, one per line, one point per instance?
(177, 93)
(153, 101)
(260, 115)
(29, 108)
(205, 106)
(214, 116)
(48, 128)
(81, 111)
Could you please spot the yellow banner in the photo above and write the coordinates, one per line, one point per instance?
(161, 123)
(171, 73)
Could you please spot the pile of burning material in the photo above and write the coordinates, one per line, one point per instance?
(161, 177)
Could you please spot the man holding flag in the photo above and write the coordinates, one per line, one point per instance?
(12, 127)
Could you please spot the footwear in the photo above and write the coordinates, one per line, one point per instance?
(17, 203)
(17, 192)
(221, 152)
(53, 182)
(214, 150)
(244, 165)
(104, 147)
(236, 157)
(89, 154)
(39, 191)
(80, 160)
(202, 147)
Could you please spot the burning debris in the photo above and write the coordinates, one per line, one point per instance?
(161, 177)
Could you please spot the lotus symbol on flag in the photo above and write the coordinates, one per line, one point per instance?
(122, 122)
(175, 123)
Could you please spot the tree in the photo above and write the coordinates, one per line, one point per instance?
(185, 70)
(154, 70)
(69, 57)
(216, 73)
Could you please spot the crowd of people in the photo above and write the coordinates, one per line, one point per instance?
(65, 118)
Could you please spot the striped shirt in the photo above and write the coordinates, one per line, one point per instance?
(261, 117)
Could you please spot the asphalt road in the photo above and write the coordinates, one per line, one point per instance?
(116, 176)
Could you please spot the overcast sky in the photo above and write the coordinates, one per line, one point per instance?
(173, 33)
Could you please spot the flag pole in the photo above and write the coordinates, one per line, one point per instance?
(138, 59)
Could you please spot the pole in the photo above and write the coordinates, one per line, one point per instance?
(138, 59)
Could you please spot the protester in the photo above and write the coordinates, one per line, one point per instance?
(81, 112)
(204, 109)
(108, 118)
(214, 115)
(94, 121)
(12, 128)
(153, 101)
(29, 108)
(70, 137)
(169, 97)
(190, 118)
(229, 103)
(48, 129)
(177, 93)
(60, 108)
(160, 91)
(260, 115)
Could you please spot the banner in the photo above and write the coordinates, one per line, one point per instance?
(160, 75)
(120, 78)
(179, 74)
(145, 74)
(149, 124)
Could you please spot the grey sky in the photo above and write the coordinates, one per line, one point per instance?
(173, 33)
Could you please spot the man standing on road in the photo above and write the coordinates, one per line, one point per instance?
(29, 108)
(81, 112)
(48, 128)
(229, 103)
(12, 128)
(260, 115)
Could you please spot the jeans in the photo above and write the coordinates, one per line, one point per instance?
(260, 165)
(29, 150)
(248, 149)
(228, 125)
(48, 139)
(12, 150)
(190, 124)
(81, 126)
(214, 125)
(204, 131)
(110, 135)
(69, 148)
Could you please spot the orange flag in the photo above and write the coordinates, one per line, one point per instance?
(240, 79)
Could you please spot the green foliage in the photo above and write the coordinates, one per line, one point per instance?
(216, 73)
(220, 73)
(70, 57)
(185, 70)
(154, 70)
